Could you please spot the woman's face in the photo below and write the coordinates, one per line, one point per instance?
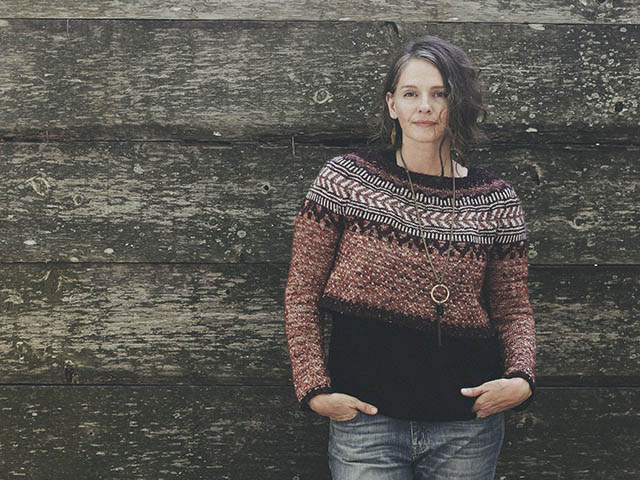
(419, 97)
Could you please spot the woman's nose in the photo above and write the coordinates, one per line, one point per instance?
(424, 106)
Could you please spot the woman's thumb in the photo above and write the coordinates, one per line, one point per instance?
(471, 392)
(366, 408)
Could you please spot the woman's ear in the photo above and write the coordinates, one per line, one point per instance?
(392, 105)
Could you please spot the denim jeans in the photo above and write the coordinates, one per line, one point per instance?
(375, 447)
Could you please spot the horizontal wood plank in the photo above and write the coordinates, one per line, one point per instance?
(544, 11)
(166, 202)
(258, 432)
(223, 324)
(218, 81)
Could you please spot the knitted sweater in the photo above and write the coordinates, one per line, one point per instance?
(357, 254)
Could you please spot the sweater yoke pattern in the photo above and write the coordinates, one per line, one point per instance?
(352, 194)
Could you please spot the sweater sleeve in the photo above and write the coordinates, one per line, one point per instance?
(317, 231)
(508, 295)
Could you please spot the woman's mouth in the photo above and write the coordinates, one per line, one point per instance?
(424, 124)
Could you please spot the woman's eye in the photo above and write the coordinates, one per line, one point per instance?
(437, 94)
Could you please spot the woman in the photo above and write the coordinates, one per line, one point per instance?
(422, 264)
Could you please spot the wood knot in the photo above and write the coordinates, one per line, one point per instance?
(70, 375)
(40, 185)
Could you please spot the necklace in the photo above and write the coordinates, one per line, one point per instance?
(439, 292)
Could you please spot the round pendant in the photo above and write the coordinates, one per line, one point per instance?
(443, 289)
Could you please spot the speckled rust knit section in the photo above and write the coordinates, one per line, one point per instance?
(315, 236)
(510, 310)
(375, 278)
(357, 249)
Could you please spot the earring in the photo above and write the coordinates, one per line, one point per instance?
(393, 134)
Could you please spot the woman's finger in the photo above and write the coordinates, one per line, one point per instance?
(344, 417)
(358, 404)
(366, 407)
(473, 391)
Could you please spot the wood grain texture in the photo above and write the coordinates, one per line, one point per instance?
(153, 160)
(247, 80)
(182, 80)
(258, 433)
(223, 324)
(167, 202)
(544, 11)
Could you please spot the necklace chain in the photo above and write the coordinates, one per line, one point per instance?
(439, 277)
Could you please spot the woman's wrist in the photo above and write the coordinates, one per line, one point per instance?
(523, 387)
(524, 376)
(315, 399)
(521, 381)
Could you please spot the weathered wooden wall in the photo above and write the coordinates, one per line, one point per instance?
(153, 156)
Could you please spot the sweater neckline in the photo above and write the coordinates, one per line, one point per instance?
(386, 160)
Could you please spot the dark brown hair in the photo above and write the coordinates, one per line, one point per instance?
(462, 93)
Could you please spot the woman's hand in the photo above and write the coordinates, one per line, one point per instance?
(498, 395)
(339, 406)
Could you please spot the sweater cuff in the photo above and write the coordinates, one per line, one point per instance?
(532, 384)
(304, 401)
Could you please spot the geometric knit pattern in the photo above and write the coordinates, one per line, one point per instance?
(357, 249)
